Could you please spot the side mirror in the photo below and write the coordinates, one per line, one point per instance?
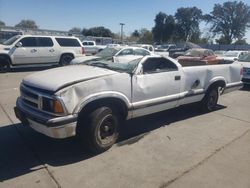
(235, 59)
(19, 44)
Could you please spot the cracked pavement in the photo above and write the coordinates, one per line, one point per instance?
(176, 148)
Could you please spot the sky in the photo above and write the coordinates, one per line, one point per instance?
(65, 14)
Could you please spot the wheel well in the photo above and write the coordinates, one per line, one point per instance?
(115, 103)
(219, 83)
(4, 56)
(66, 54)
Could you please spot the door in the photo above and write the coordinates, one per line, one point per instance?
(27, 52)
(156, 88)
(47, 53)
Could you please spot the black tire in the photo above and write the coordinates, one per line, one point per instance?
(65, 59)
(99, 130)
(209, 102)
(4, 65)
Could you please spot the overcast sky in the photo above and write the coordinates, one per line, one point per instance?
(65, 14)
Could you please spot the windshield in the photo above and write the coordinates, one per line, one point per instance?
(194, 53)
(128, 67)
(245, 58)
(231, 54)
(107, 52)
(11, 40)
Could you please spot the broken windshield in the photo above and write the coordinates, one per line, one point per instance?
(128, 67)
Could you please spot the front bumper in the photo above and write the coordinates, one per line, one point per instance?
(55, 127)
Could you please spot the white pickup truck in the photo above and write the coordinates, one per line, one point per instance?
(91, 48)
(90, 100)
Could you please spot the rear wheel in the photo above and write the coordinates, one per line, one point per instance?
(210, 100)
(101, 129)
(65, 59)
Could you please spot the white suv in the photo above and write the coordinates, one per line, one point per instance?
(33, 50)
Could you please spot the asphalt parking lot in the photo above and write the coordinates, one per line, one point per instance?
(176, 148)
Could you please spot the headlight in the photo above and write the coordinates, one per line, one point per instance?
(52, 105)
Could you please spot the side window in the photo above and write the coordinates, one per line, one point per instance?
(141, 52)
(68, 42)
(156, 65)
(45, 42)
(29, 42)
(91, 44)
(85, 43)
(128, 51)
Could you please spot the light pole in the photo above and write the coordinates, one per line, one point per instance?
(122, 24)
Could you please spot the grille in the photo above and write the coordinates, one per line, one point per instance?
(29, 97)
(245, 80)
(246, 71)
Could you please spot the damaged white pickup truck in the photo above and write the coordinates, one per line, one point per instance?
(90, 100)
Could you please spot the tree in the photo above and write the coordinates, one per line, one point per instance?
(146, 36)
(187, 23)
(97, 32)
(29, 24)
(75, 30)
(135, 34)
(229, 20)
(164, 27)
(241, 42)
(158, 29)
(2, 23)
(85, 31)
(169, 28)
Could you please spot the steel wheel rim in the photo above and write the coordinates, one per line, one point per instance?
(107, 128)
(212, 100)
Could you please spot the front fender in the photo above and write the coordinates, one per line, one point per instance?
(102, 95)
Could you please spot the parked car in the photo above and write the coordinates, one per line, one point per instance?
(244, 60)
(219, 53)
(233, 55)
(37, 50)
(146, 46)
(165, 47)
(91, 48)
(90, 100)
(115, 54)
(198, 56)
(181, 49)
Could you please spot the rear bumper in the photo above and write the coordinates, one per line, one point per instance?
(55, 127)
(246, 80)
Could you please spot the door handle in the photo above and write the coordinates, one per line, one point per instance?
(33, 50)
(177, 77)
(51, 50)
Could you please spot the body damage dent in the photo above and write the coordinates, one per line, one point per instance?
(79, 95)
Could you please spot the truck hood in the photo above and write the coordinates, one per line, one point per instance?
(58, 78)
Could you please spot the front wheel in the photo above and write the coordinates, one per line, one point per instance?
(4, 65)
(210, 100)
(101, 129)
